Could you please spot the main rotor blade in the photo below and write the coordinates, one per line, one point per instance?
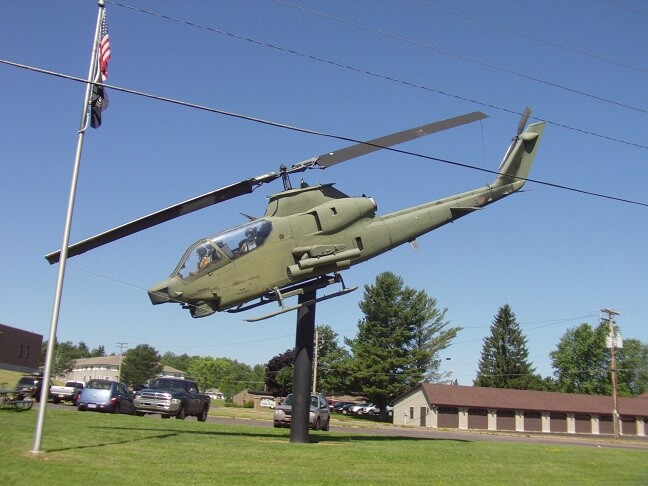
(172, 212)
(248, 185)
(364, 148)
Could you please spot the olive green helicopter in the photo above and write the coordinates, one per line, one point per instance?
(309, 234)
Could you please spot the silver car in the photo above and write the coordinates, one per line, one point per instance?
(106, 396)
(319, 417)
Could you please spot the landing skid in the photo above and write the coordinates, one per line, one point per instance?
(279, 295)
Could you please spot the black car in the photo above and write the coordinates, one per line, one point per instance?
(30, 386)
(340, 406)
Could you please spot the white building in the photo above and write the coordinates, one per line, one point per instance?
(106, 368)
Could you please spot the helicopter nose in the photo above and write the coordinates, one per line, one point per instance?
(166, 291)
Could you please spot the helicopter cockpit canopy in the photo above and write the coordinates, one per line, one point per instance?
(217, 250)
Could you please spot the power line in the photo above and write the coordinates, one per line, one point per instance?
(466, 58)
(625, 7)
(529, 36)
(370, 73)
(315, 132)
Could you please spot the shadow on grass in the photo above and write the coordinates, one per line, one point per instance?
(116, 442)
(336, 437)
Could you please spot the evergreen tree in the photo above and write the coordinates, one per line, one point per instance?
(397, 339)
(504, 359)
(331, 378)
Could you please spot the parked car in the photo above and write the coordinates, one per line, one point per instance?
(68, 392)
(107, 396)
(346, 409)
(369, 409)
(319, 417)
(339, 406)
(357, 407)
(172, 397)
(267, 403)
(30, 386)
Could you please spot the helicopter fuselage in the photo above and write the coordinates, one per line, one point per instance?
(314, 231)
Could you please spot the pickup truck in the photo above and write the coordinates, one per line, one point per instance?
(66, 393)
(172, 397)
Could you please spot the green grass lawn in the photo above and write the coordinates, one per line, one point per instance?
(90, 447)
(8, 379)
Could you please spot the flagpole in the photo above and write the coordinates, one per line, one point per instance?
(66, 239)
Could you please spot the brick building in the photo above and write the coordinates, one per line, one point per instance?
(19, 350)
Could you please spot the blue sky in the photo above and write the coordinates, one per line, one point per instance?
(354, 69)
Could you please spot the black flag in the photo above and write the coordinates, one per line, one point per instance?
(98, 103)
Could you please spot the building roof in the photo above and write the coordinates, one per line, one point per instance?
(113, 360)
(506, 399)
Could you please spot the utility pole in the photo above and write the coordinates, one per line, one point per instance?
(612, 345)
(315, 353)
(121, 348)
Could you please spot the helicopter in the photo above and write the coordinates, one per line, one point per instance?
(309, 234)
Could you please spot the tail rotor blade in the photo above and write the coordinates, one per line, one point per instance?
(523, 121)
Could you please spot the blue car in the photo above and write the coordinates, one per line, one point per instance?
(106, 396)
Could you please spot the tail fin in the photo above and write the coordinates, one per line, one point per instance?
(516, 165)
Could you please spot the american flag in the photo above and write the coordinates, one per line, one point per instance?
(99, 97)
(104, 48)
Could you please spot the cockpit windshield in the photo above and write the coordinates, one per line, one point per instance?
(213, 252)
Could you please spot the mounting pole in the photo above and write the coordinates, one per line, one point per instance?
(304, 344)
(315, 355)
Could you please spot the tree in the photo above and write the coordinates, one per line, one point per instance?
(65, 354)
(331, 357)
(276, 383)
(180, 362)
(582, 363)
(397, 340)
(140, 364)
(431, 338)
(632, 364)
(504, 359)
(228, 375)
(98, 352)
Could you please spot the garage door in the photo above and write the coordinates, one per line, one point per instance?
(628, 426)
(532, 421)
(605, 424)
(478, 418)
(583, 423)
(559, 422)
(448, 417)
(505, 420)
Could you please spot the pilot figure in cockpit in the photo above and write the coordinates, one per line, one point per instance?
(203, 259)
(250, 240)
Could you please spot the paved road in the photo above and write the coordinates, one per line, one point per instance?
(388, 430)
